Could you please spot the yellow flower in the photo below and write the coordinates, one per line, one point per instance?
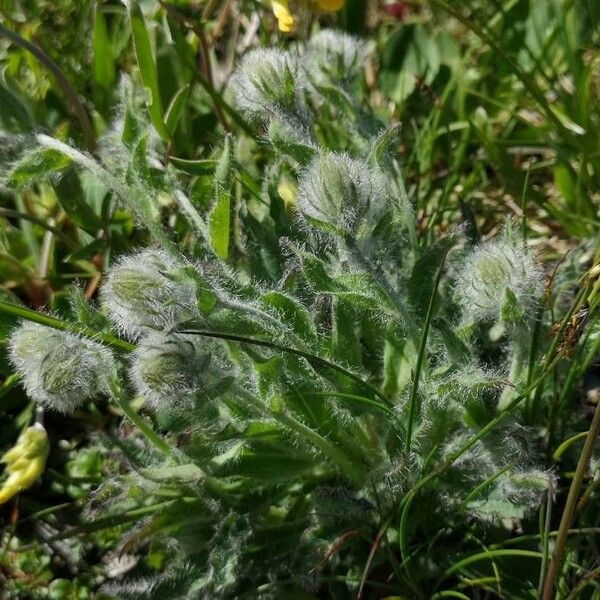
(25, 461)
(287, 21)
(330, 5)
(285, 18)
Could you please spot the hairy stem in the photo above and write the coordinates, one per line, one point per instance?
(155, 440)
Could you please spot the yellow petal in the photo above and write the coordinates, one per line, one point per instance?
(285, 19)
(330, 5)
(25, 461)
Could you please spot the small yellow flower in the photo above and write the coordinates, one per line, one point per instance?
(330, 5)
(25, 461)
(286, 19)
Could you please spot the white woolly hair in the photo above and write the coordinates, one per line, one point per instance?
(148, 291)
(171, 369)
(334, 55)
(268, 83)
(60, 370)
(489, 271)
(338, 193)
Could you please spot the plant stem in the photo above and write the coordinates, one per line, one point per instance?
(15, 214)
(545, 539)
(21, 312)
(549, 592)
(145, 429)
(394, 298)
(414, 396)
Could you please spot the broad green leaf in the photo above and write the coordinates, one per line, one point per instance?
(294, 314)
(14, 113)
(194, 167)
(36, 166)
(189, 472)
(421, 281)
(72, 199)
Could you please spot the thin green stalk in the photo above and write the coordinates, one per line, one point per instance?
(123, 403)
(15, 214)
(374, 546)
(414, 396)
(311, 358)
(21, 312)
(67, 88)
(545, 540)
(549, 591)
(484, 484)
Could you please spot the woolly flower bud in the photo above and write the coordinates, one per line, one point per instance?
(25, 461)
(173, 369)
(334, 56)
(498, 279)
(269, 82)
(339, 194)
(148, 291)
(60, 370)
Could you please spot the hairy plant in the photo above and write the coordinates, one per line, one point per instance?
(328, 389)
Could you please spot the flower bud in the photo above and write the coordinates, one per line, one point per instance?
(174, 369)
(268, 83)
(334, 56)
(498, 280)
(60, 370)
(25, 461)
(148, 291)
(339, 194)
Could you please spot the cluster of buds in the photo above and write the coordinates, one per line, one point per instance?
(273, 84)
(334, 56)
(270, 83)
(147, 295)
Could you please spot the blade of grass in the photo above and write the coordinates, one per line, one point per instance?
(147, 66)
(414, 396)
(21, 312)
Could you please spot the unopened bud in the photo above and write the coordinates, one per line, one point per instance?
(148, 291)
(340, 194)
(60, 370)
(334, 57)
(499, 280)
(174, 369)
(269, 83)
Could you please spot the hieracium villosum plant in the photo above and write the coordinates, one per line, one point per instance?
(320, 399)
